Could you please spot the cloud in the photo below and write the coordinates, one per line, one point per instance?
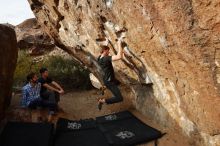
(14, 11)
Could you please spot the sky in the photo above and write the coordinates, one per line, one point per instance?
(14, 11)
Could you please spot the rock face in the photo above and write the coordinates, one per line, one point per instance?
(174, 42)
(8, 59)
(30, 36)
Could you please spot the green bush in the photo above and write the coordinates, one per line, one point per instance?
(69, 73)
(24, 66)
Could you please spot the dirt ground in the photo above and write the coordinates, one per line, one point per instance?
(77, 105)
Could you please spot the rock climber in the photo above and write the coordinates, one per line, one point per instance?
(105, 62)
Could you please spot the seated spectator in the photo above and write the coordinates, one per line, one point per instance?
(31, 95)
(50, 90)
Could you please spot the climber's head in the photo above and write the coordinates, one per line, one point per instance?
(44, 72)
(104, 50)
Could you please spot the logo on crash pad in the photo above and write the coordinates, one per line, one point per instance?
(125, 135)
(110, 117)
(74, 125)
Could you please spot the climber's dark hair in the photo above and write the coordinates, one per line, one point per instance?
(30, 76)
(42, 70)
(103, 48)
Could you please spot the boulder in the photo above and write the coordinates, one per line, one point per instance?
(8, 59)
(174, 43)
(31, 37)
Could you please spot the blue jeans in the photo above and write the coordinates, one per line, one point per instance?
(117, 97)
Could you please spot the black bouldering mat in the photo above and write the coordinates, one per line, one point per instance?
(27, 134)
(79, 133)
(124, 129)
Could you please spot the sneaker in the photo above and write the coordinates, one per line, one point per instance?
(102, 90)
(100, 105)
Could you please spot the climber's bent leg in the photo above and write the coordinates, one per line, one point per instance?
(117, 97)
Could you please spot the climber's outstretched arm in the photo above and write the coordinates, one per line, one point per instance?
(119, 54)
